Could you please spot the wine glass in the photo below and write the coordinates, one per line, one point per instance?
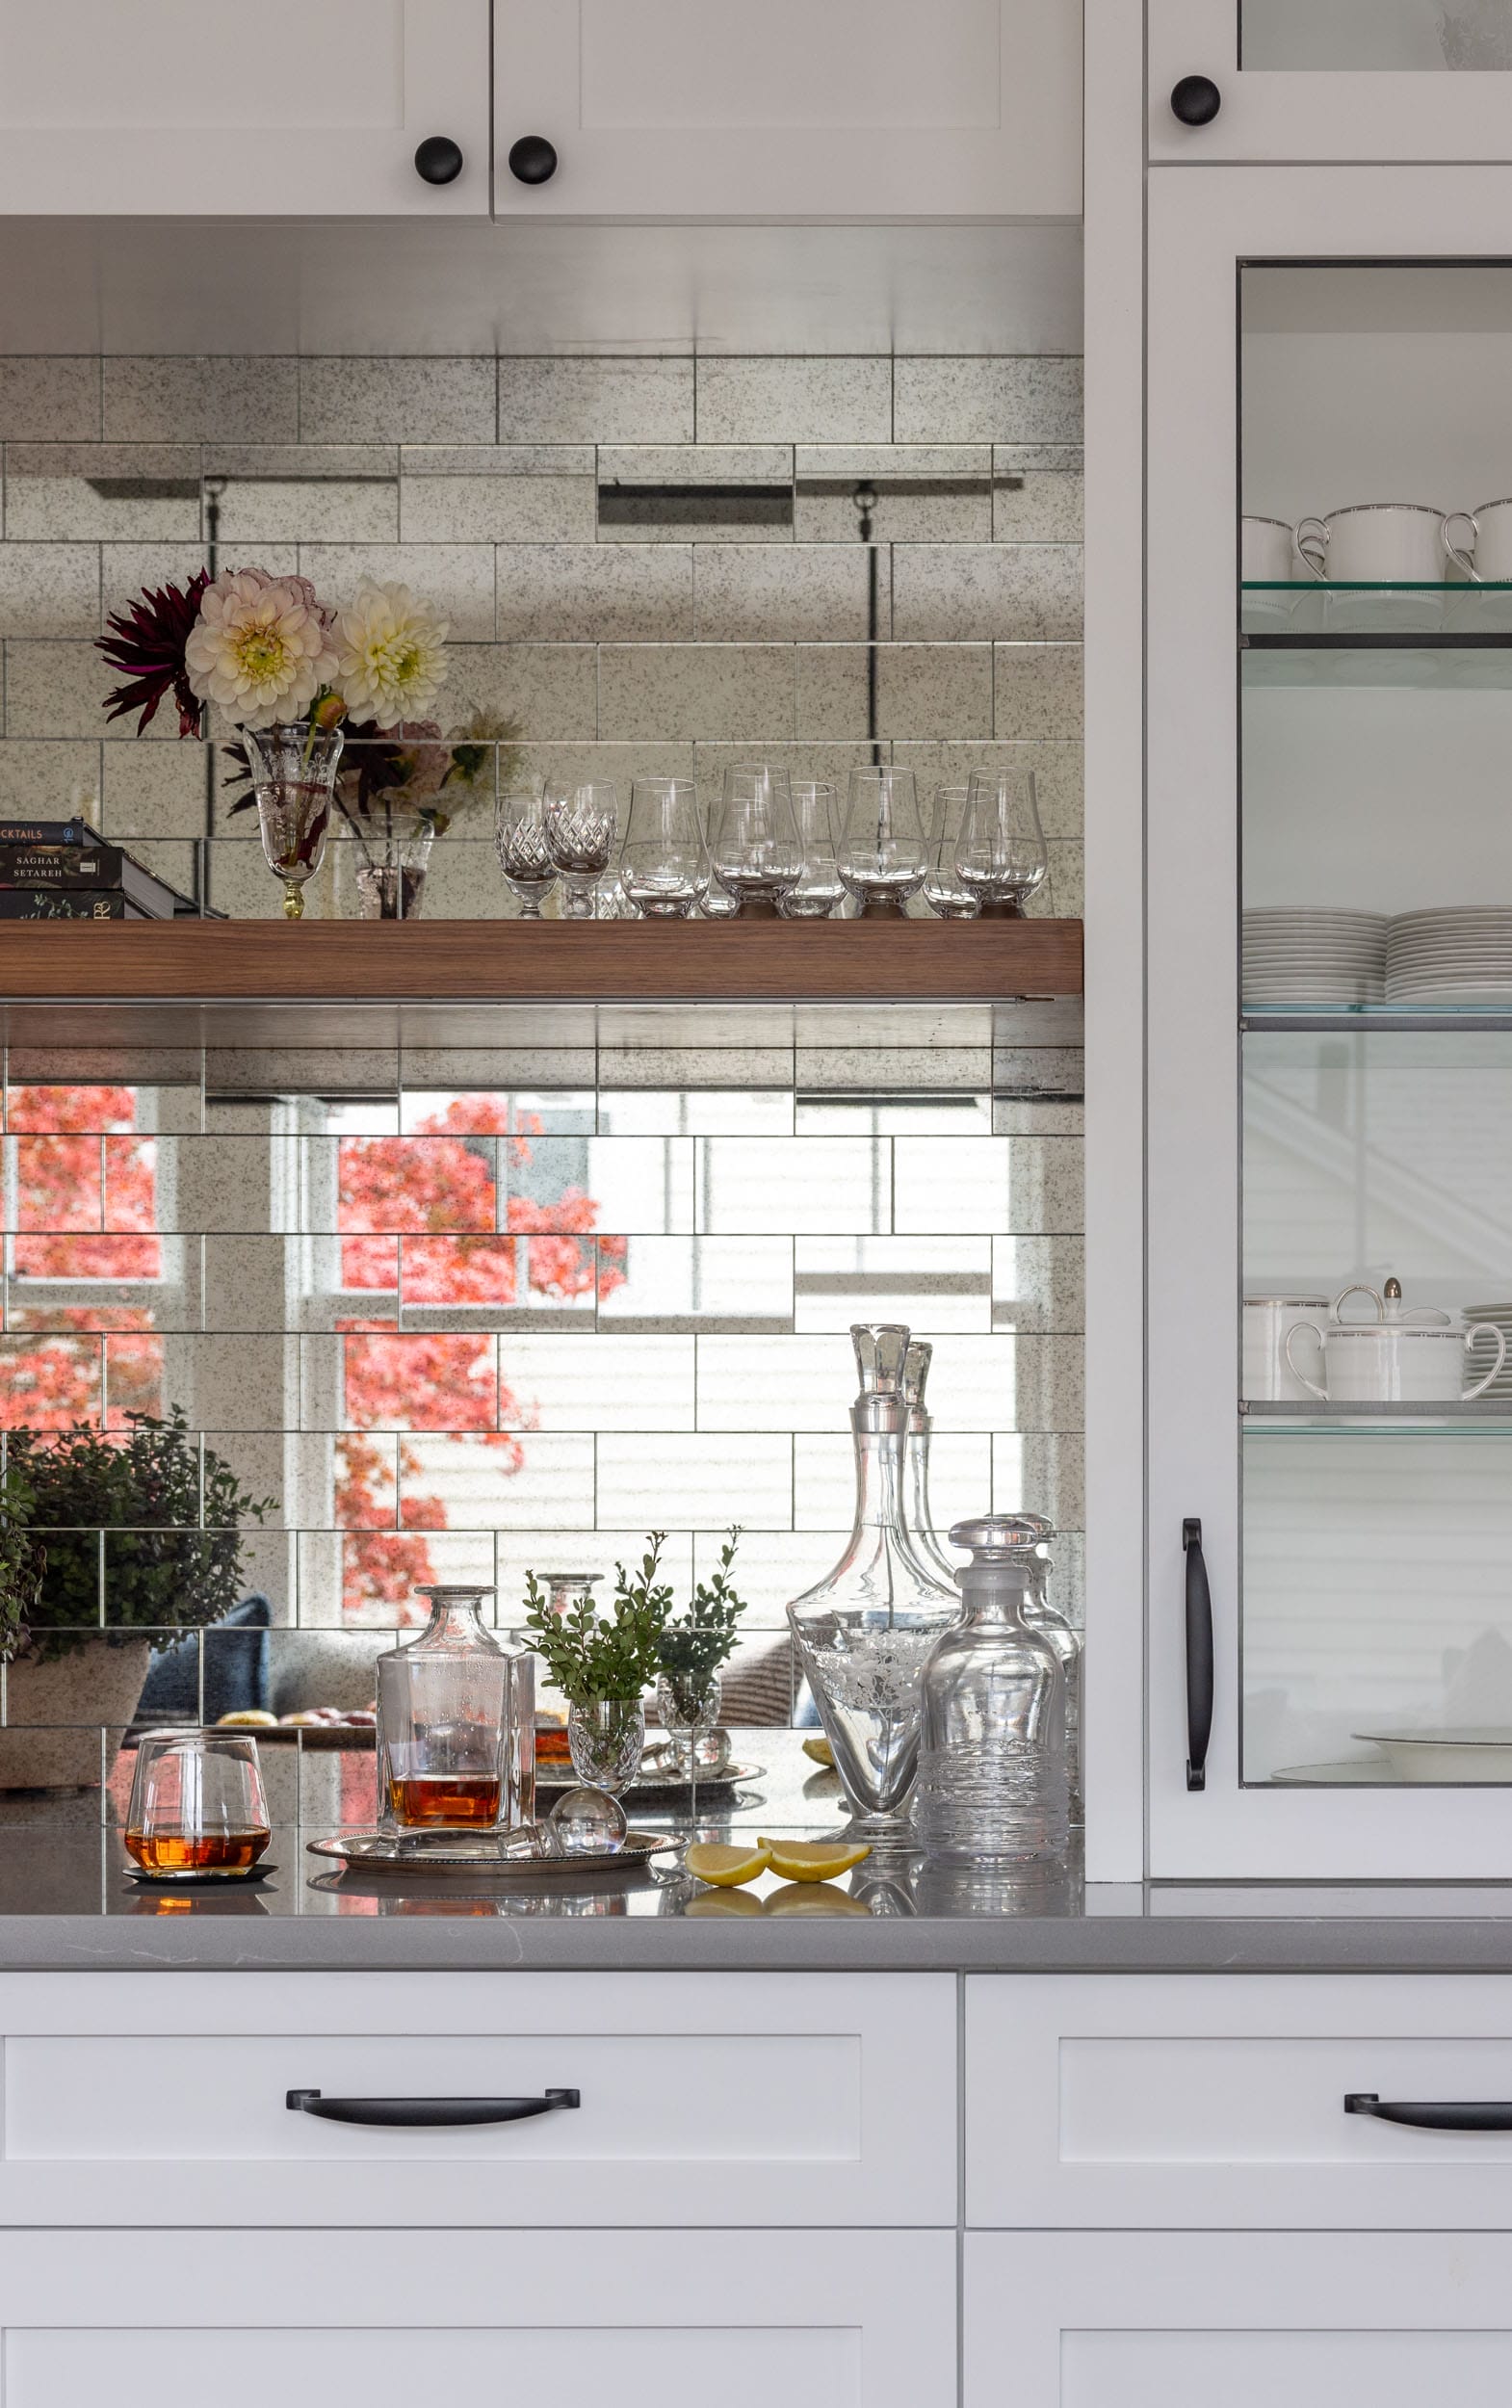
(755, 846)
(580, 828)
(1000, 855)
(946, 897)
(819, 888)
(520, 837)
(883, 850)
(663, 866)
(198, 1811)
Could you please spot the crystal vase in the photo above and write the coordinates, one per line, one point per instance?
(392, 846)
(294, 782)
(863, 1634)
(606, 1739)
(689, 1705)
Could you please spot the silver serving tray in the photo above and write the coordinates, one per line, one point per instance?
(377, 1852)
(653, 1783)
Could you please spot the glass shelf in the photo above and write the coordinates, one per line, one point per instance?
(1483, 1416)
(1453, 637)
(1384, 1019)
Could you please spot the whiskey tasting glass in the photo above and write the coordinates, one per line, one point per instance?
(198, 1809)
(883, 848)
(664, 868)
(1000, 854)
(754, 845)
(946, 897)
(819, 888)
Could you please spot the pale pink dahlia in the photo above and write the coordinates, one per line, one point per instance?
(261, 647)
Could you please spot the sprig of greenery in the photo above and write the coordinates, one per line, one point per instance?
(22, 1561)
(691, 1650)
(589, 1657)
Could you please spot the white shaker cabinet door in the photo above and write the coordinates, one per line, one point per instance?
(205, 108)
(847, 109)
(1188, 2320)
(392, 2319)
(1331, 80)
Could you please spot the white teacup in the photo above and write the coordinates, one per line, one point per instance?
(1268, 552)
(1395, 1362)
(1267, 1376)
(1486, 557)
(1375, 543)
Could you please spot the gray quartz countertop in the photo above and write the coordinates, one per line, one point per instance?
(67, 1902)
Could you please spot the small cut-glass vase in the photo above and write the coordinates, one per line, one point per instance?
(606, 1738)
(393, 848)
(689, 1705)
(294, 783)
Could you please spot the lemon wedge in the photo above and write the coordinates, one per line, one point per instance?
(813, 1897)
(718, 1903)
(820, 1752)
(811, 1860)
(709, 1860)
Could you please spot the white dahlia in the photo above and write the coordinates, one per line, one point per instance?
(390, 655)
(261, 648)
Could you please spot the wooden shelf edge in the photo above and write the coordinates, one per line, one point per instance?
(510, 961)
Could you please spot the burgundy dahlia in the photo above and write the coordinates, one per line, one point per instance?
(147, 640)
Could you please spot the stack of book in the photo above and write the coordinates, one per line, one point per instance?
(65, 870)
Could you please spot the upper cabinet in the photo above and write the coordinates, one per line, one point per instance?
(723, 109)
(206, 109)
(1330, 80)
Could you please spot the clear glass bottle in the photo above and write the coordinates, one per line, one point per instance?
(992, 1755)
(1067, 1641)
(864, 1633)
(456, 1724)
(917, 1514)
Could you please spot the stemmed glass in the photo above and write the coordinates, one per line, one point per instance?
(946, 897)
(664, 868)
(1000, 854)
(883, 850)
(819, 888)
(520, 838)
(580, 828)
(755, 846)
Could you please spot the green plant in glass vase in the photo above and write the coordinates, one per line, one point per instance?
(603, 1665)
(690, 1652)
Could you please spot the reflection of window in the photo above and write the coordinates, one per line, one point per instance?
(84, 1261)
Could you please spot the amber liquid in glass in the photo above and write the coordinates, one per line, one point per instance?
(455, 1800)
(163, 1850)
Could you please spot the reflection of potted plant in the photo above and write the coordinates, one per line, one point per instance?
(690, 1652)
(603, 1668)
(164, 1514)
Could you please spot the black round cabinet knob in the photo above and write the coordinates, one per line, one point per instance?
(1196, 100)
(533, 159)
(438, 159)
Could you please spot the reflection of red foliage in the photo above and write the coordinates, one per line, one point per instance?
(423, 1212)
(81, 1170)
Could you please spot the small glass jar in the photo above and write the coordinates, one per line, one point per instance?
(992, 1755)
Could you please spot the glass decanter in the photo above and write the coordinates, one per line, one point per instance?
(1067, 1641)
(864, 1633)
(917, 1514)
(456, 1724)
(992, 1755)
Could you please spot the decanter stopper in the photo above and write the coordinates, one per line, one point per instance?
(916, 1371)
(998, 1537)
(882, 1351)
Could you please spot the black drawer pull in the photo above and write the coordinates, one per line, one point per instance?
(1434, 2116)
(1199, 1658)
(428, 2111)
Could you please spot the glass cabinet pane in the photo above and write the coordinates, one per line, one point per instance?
(1360, 36)
(1375, 1043)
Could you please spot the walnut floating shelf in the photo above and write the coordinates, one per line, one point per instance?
(508, 961)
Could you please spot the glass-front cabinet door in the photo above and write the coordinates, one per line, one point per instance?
(1325, 80)
(1330, 1023)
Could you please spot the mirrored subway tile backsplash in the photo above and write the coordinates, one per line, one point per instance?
(649, 564)
(452, 1291)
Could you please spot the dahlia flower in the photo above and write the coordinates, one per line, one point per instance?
(390, 655)
(148, 640)
(262, 648)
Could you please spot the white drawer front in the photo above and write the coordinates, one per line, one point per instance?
(1196, 2099)
(704, 2099)
(392, 2319)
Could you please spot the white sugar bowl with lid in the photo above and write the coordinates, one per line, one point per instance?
(1405, 1354)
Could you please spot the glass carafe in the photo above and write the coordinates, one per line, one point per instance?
(864, 1633)
(457, 1724)
(917, 1514)
(992, 1755)
(1067, 1641)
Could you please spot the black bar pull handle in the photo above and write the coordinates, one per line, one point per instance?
(1199, 1658)
(428, 2111)
(1434, 2116)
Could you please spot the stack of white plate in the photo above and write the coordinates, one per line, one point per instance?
(1305, 954)
(1499, 1316)
(1460, 955)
